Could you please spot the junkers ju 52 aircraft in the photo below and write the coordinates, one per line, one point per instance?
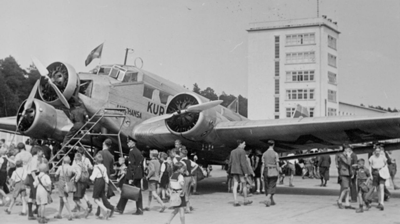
(160, 111)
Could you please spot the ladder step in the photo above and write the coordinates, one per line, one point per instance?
(114, 115)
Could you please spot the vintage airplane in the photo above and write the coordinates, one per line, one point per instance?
(160, 111)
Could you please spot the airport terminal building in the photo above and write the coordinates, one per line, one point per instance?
(293, 62)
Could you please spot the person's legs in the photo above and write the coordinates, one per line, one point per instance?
(182, 215)
(381, 193)
(149, 201)
(66, 204)
(258, 182)
(291, 180)
(234, 190)
(174, 212)
(139, 202)
(244, 191)
(360, 202)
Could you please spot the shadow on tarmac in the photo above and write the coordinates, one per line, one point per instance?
(217, 184)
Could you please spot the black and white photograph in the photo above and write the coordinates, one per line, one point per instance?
(199, 111)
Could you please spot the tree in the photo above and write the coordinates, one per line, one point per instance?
(196, 88)
(228, 99)
(9, 101)
(209, 94)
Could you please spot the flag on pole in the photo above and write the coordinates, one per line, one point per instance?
(234, 106)
(95, 53)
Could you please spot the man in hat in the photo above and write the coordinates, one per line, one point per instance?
(133, 177)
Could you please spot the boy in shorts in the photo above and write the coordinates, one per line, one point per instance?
(43, 184)
(17, 178)
(363, 176)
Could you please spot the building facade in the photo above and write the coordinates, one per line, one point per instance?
(293, 62)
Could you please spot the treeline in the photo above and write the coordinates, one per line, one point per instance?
(15, 85)
(210, 94)
(390, 110)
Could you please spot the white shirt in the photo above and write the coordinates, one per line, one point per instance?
(24, 156)
(292, 161)
(377, 162)
(163, 167)
(19, 175)
(44, 179)
(99, 171)
(33, 164)
(177, 185)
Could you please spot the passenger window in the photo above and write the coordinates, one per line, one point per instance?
(156, 96)
(148, 92)
(164, 97)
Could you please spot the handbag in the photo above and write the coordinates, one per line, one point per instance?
(130, 192)
(384, 172)
(175, 199)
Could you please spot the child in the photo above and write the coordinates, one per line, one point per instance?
(89, 167)
(164, 175)
(17, 179)
(65, 172)
(100, 180)
(80, 183)
(121, 172)
(363, 176)
(153, 178)
(177, 182)
(43, 184)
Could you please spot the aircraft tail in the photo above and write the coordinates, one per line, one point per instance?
(300, 112)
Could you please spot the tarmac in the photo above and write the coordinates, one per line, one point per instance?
(307, 202)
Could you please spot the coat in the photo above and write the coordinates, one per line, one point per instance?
(108, 161)
(324, 161)
(135, 165)
(344, 165)
(238, 162)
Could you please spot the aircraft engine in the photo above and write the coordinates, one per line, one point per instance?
(41, 121)
(64, 77)
(191, 125)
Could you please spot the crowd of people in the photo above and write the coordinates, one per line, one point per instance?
(25, 177)
(171, 176)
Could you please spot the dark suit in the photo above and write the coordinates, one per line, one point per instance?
(134, 173)
(353, 187)
(324, 162)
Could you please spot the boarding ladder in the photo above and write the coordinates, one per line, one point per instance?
(119, 113)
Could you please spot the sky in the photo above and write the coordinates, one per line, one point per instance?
(204, 42)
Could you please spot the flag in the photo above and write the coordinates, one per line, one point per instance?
(95, 53)
(234, 106)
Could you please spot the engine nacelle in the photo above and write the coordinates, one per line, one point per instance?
(65, 78)
(193, 126)
(42, 121)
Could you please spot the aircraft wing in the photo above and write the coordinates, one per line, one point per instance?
(8, 124)
(306, 133)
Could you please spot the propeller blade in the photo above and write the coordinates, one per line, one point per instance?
(159, 118)
(204, 106)
(29, 101)
(40, 67)
(59, 94)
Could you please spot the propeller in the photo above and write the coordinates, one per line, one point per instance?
(190, 109)
(44, 72)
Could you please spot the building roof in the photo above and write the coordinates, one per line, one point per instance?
(294, 23)
(362, 107)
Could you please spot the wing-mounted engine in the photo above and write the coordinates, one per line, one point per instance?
(42, 121)
(191, 124)
(64, 77)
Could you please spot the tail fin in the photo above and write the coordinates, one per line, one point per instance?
(300, 112)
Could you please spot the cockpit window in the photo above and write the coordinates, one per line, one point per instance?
(130, 77)
(114, 73)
